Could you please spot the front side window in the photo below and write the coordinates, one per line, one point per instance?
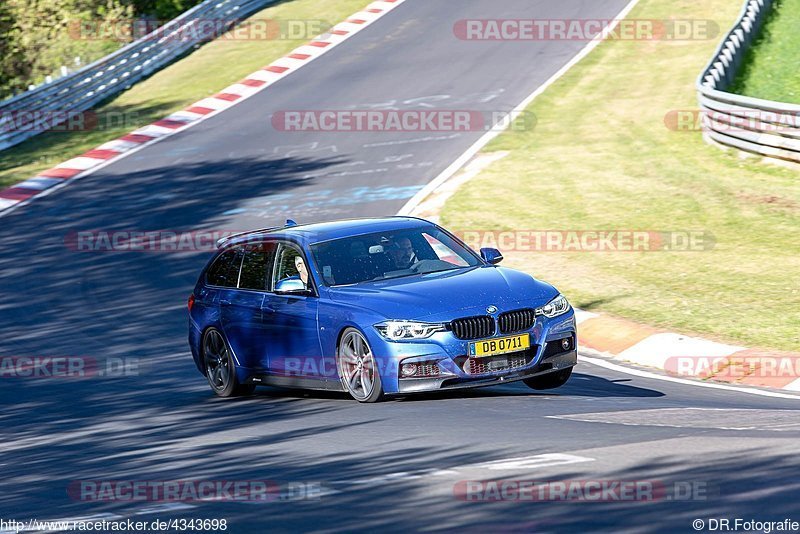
(224, 272)
(289, 263)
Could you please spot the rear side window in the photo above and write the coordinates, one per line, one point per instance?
(224, 271)
(254, 266)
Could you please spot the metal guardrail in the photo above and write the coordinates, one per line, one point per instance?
(35, 111)
(764, 127)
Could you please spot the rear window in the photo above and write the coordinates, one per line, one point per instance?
(224, 271)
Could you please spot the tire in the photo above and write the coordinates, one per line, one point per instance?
(550, 380)
(220, 368)
(357, 368)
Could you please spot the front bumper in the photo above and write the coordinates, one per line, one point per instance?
(449, 354)
(549, 365)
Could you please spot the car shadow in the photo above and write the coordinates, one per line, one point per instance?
(579, 385)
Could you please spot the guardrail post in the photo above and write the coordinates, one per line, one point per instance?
(764, 127)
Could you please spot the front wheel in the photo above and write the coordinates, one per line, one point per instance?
(220, 369)
(550, 380)
(357, 367)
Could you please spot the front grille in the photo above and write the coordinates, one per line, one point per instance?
(516, 321)
(506, 362)
(476, 327)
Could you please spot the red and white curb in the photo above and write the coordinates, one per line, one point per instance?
(689, 357)
(52, 179)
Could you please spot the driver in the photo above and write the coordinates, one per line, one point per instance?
(403, 254)
(302, 270)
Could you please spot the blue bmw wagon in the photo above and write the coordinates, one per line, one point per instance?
(373, 307)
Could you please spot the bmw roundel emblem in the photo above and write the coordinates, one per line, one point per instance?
(491, 309)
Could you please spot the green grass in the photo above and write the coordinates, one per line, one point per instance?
(601, 157)
(771, 66)
(201, 74)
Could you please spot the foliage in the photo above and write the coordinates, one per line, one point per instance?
(38, 37)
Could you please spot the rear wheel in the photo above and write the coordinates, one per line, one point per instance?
(550, 380)
(220, 369)
(357, 367)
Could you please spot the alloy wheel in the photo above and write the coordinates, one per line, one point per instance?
(357, 365)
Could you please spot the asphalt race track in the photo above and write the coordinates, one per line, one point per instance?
(393, 466)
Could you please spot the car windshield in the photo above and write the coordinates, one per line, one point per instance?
(386, 255)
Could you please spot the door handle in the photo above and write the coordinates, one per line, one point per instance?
(225, 302)
(267, 309)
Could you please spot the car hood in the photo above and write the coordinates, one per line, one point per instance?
(447, 295)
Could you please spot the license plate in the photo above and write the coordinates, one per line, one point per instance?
(499, 345)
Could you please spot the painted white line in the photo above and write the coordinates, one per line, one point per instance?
(164, 508)
(793, 386)
(526, 462)
(535, 462)
(646, 374)
(394, 477)
(494, 132)
(219, 106)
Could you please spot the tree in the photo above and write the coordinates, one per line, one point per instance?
(37, 37)
(163, 10)
(12, 57)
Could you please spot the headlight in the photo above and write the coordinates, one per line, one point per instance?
(394, 330)
(555, 307)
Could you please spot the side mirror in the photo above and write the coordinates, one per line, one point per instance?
(291, 286)
(491, 255)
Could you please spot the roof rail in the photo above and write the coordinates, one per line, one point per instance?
(222, 241)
